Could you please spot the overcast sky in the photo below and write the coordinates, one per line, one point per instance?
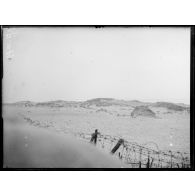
(147, 64)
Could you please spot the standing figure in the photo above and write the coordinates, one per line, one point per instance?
(94, 137)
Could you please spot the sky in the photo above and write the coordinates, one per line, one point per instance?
(81, 63)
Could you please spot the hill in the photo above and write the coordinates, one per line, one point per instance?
(57, 103)
(143, 111)
(102, 102)
(22, 104)
(171, 106)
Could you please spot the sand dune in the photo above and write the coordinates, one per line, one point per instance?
(35, 125)
(27, 146)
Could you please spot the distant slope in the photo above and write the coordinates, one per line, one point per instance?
(57, 103)
(170, 106)
(111, 102)
(143, 111)
(22, 104)
(102, 102)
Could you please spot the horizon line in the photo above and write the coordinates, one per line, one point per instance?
(143, 101)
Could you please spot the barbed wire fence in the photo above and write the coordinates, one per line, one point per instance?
(131, 153)
(137, 155)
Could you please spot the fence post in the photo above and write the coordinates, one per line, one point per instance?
(116, 147)
(148, 163)
(140, 158)
(171, 159)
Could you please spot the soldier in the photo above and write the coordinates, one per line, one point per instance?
(94, 137)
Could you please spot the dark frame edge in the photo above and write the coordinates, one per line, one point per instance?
(192, 100)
